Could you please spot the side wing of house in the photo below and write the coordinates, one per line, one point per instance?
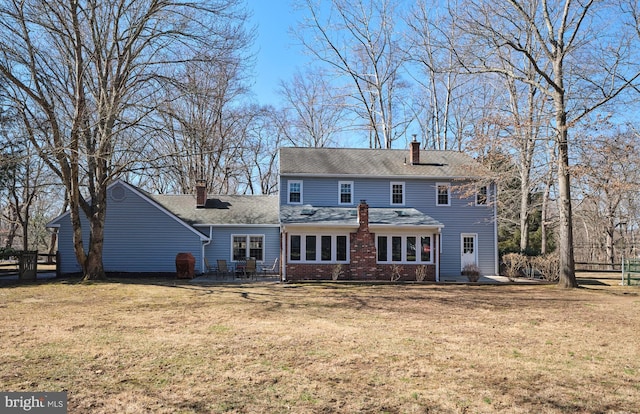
(139, 237)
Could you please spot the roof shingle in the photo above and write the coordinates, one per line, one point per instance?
(377, 162)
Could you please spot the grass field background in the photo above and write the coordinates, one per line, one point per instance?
(172, 347)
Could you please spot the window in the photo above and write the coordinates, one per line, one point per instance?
(341, 248)
(310, 249)
(396, 249)
(442, 194)
(346, 192)
(318, 248)
(295, 192)
(425, 249)
(295, 249)
(244, 246)
(397, 193)
(481, 196)
(468, 244)
(325, 248)
(404, 249)
(382, 248)
(411, 249)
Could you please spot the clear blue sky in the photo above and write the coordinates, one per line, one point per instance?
(277, 52)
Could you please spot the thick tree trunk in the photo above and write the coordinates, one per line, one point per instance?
(567, 261)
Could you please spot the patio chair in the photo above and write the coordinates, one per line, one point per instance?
(250, 269)
(222, 269)
(210, 269)
(273, 270)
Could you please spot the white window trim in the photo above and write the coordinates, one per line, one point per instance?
(340, 193)
(303, 248)
(403, 248)
(391, 184)
(486, 203)
(247, 240)
(289, 191)
(448, 185)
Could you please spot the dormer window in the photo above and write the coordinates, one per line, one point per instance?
(295, 192)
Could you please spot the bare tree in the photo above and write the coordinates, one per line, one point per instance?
(584, 63)
(203, 125)
(359, 42)
(86, 73)
(447, 108)
(606, 171)
(314, 110)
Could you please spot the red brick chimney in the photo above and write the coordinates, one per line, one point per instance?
(363, 215)
(201, 193)
(414, 155)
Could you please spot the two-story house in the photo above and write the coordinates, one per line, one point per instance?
(377, 214)
(352, 213)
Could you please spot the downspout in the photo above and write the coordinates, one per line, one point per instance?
(439, 250)
(205, 244)
(283, 253)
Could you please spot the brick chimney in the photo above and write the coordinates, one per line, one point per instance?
(363, 215)
(201, 193)
(414, 155)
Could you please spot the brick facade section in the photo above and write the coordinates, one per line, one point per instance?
(363, 264)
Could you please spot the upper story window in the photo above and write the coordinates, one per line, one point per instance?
(345, 195)
(482, 195)
(295, 192)
(397, 193)
(443, 196)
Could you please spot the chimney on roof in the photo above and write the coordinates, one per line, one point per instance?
(201, 193)
(363, 215)
(414, 155)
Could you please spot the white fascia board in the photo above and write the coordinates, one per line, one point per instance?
(237, 225)
(406, 226)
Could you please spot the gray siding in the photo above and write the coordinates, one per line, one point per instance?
(138, 237)
(462, 216)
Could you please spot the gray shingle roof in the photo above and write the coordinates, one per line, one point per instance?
(345, 216)
(222, 209)
(377, 162)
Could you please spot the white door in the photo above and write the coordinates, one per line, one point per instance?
(468, 249)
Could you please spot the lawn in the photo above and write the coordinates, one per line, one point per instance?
(174, 347)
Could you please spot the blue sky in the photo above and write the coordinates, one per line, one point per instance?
(277, 53)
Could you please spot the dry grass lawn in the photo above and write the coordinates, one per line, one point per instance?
(174, 347)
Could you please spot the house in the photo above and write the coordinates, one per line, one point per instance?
(377, 214)
(144, 232)
(359, 214)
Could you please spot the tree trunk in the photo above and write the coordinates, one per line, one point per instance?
(524, 216)
(567, 262)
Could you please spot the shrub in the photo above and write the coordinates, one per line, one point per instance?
(472, 272)
(548, 265)
(515, 264)
(421, 273)
(396, 272)
(336, 271)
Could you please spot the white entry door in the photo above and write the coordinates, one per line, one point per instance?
(468, 249)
